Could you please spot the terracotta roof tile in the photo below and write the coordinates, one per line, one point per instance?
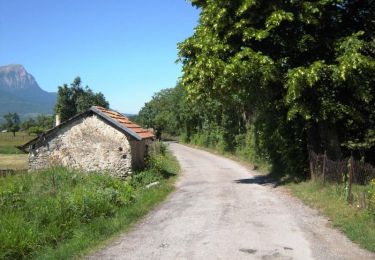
(123, 120)
(146, 135)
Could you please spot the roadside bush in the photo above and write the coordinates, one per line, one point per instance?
(159, 163)
(157, 148)
(212, 137)
(246, 146)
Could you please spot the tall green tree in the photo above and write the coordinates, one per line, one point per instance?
(301, 73)
(163, 111)
(38, 125)
(76, 99)
(12, 122)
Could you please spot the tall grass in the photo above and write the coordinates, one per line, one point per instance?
(57, 213)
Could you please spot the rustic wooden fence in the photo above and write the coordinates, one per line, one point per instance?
(347, 171)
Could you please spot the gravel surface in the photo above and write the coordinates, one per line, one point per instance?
(222, 210)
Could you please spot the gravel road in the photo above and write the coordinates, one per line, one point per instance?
(222, 210)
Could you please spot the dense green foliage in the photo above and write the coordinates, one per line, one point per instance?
(276, 78)
(12, 122)
(165, 112)
(76, 99)
(38, 125)
(55, 210)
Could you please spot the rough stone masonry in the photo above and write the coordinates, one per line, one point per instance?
(88, 144)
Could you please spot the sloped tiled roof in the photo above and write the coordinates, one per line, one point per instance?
(124, 121)
(112, 117)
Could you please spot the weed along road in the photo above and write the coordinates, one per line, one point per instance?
(222, 210)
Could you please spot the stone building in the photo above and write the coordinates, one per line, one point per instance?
(96, 140)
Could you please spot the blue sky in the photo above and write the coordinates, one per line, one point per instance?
(125, 49)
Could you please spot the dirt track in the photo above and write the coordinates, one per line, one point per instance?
(221, 210)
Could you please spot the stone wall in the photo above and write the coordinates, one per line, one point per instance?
(87, 144)
(139, 150)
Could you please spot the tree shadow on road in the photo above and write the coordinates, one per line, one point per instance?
(259, 180)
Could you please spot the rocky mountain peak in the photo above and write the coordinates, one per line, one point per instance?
(20, 93)
(12, 67)
(15, 77)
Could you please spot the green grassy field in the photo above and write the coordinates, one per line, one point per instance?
(63, 214)
(10, 157)
(8, 142)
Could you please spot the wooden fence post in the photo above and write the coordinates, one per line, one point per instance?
(324, 166)
(311, 166)
(350, 181)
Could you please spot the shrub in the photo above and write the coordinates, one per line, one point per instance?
(160, 164)
(157, 148)
(213, 137)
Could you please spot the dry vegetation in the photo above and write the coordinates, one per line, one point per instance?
(10, 157)
(13, 161)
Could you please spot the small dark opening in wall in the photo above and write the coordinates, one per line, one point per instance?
(124, 156)
(120, 149)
